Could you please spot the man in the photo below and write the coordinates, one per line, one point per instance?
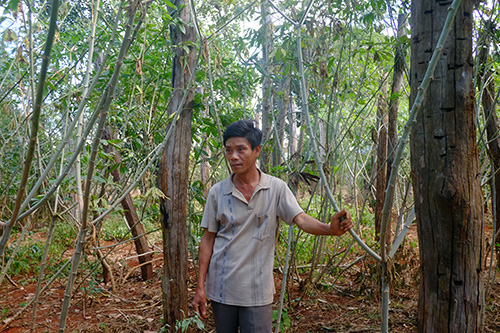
(236, 255)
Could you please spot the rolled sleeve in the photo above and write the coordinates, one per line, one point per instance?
(287, 207)
(209, 220)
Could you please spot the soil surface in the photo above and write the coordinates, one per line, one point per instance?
(349, 302)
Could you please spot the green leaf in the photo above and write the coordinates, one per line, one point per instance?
(99, 179)
(155, 192)
(9, 36)
(123, 168)
(168, 3)
(13, 5)
(114, 166)
(117, 143)
(181, 26)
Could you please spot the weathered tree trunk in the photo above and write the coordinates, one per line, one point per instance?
(174, 173)
(445, 171)
(136, 227)
(491, 120)
(381, 165)
(397, 85)
(267, 98)
(107, 272)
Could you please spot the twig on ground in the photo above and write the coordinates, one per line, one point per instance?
(135, 267)
(11, 281)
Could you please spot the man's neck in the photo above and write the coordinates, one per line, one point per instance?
(246, 183)
(247, 179)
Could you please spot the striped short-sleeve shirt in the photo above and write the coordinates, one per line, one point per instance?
(241, 267)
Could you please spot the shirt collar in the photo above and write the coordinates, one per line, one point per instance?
(229, 187)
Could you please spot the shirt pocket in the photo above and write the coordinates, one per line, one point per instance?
(222, 222)
(264, 226)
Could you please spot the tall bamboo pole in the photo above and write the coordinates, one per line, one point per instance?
(78, 165)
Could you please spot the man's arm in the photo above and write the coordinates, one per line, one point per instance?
(336, 228)
(199, 302)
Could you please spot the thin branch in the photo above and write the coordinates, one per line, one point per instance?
(13, 86)
(231, 20)
(282, 14)
(304, 15)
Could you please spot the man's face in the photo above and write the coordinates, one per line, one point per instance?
(240, 155)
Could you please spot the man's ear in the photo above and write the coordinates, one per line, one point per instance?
(258, 149)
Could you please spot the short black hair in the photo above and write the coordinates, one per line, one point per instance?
(244, 128)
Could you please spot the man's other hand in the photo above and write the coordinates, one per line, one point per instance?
(341, 222)
(199, 303)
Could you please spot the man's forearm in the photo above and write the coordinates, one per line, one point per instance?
(340, 223)
(311, 225)
(206, 249)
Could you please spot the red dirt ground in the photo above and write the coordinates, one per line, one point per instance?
(353, 305)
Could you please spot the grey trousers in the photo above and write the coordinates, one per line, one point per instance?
(255, 319)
